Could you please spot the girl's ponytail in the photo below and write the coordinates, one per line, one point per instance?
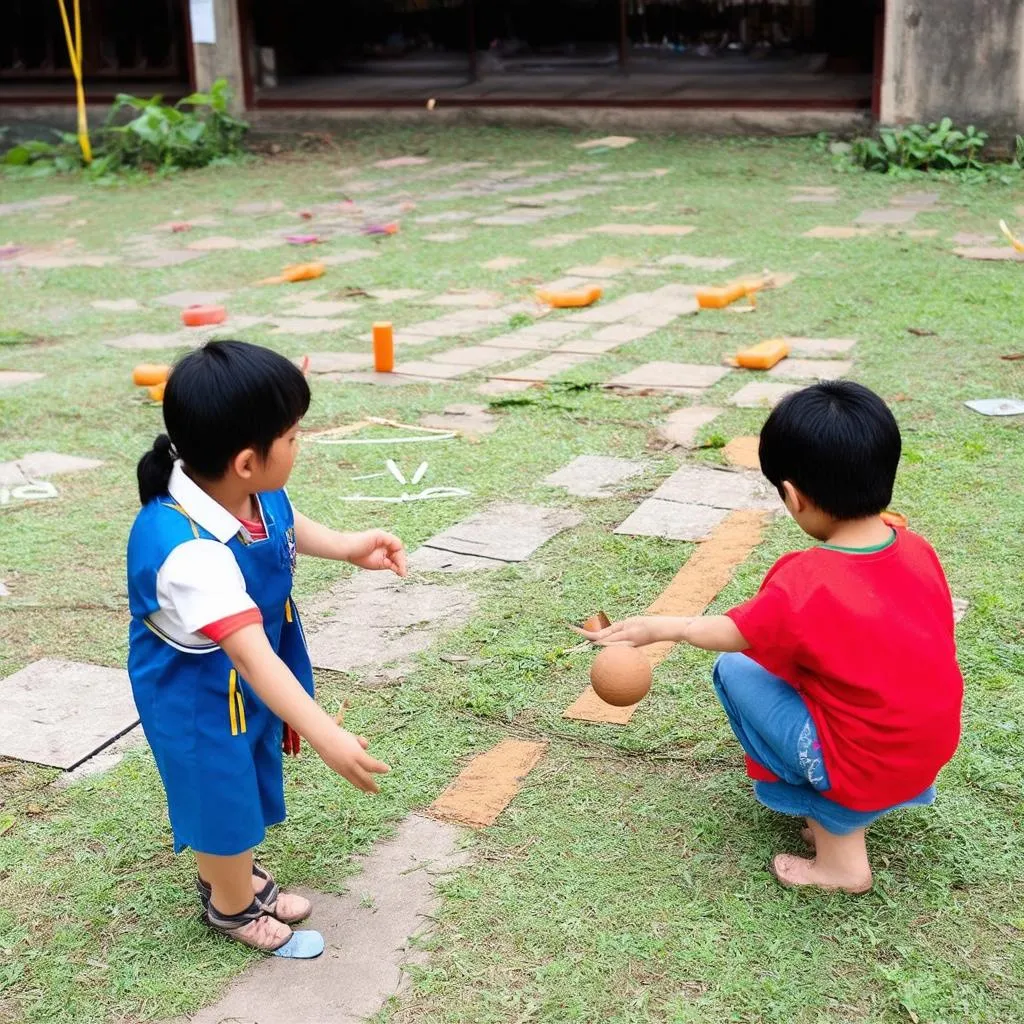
(154, 471)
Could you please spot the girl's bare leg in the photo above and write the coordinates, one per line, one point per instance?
(839, 862)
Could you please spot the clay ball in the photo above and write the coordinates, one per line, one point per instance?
(621, 676)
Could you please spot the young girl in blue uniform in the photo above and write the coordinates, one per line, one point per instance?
(217, 657)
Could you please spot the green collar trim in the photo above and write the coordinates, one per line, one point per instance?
(874, 549)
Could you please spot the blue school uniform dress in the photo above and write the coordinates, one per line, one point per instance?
(216, 744)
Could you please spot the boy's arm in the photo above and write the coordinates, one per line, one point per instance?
(372, 549)
(709, 632)
(251, 654)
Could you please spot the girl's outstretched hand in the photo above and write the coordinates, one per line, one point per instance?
(346, 754)
(635, 632)
(376, 549)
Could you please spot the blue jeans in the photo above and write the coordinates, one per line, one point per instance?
(774, 727)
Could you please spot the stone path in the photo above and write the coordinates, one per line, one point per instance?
(594, 476)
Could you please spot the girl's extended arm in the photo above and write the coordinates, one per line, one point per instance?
(709, 632)
(251, 654)
(372, 549)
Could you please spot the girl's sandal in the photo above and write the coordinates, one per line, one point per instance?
(254, 927)
(286, 907)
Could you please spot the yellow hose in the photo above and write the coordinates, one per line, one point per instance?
(75, 56)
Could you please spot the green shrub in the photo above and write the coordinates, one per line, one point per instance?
(933, 147)
(195, 132)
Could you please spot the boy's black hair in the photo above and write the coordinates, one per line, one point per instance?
(838, 443)
(221, 399)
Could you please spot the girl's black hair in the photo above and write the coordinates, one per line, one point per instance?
(838, 443)
(221, 399)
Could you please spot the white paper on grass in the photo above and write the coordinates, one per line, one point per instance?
(202, 20)
(997, 406)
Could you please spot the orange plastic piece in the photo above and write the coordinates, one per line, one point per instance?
(203, 316)
(764, 355)
(571, 300)
(719, 298)
(897, 519)
(297, 272)
(156, 392)
(147, 374)
(383, 347)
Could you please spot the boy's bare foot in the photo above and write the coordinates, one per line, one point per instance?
(807, 835)
(793, 872)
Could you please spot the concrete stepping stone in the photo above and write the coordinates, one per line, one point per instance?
(433, 560)
(117, 305)
(379, 622)
(257, 209)
(761, 395)
(306, 325)
(811, 369)
(447, 237)
(336, 362)
(597, 271)
(167, 258)
(145, 342)
(12, 378)
(814, 197)
(652, 318)
(394, 294)
(518, 342)
(594, 476)
(973, 238)
(961, 606)
(892, 215)
(503, 263)
(546, 368)
(367, 932)
(696, 262)
(430, 370)
(556, 241)
(215, 243)
(476, 356)
(672, 520)
(644, 230)
(996, 406)
(468, 299)
(838, 232)
(685, 377)
(588, 347)
(816, 348)
(347, 256)
(445, 217)
(682, 426)
(103, 760)
(464, 418)
(478, 317)
(320, 308)
(59, 713)
(182, 300)
(816, 190)
(505, 532)
(743, 452)
(568, 283)
(503, 387)
(719, 488)
(622, 334)
(387, 380)
(402, 161)
(27, 205)
(41, 466)
(990, 252)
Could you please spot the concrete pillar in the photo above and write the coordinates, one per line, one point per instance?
(962, 59)
(223, 58)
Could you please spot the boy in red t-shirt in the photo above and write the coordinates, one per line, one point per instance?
(840, 679)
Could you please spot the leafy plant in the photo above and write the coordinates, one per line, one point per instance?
(195, 132)
(934, 147)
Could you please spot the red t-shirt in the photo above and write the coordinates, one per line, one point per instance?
(867, 640)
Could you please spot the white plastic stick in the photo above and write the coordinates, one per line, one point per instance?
(393, 469)
(420, 473)
(381, 440)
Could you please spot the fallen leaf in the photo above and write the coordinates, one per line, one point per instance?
(1013, 357)
(920, 332)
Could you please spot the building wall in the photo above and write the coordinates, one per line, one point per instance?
(958, 58)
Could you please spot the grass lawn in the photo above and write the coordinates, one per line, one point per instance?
(627, 882)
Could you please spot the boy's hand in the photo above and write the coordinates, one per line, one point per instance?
(636, 632)
(375, 549)
(346, 754)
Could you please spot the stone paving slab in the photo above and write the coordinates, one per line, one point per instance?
(811, 348)
(147, 342)
(434, 560)
(696, 262)
(556, 241)
(892, 215)
(670, 376)
(503, 387)
(475, 356)
(465, 418)
(59, 713)
(468, 299)
(306, 325)
(367, 932)
(336, 362)
(478, 318)
(503, 263)
(838, 232)
(506, 532)
(918, 200)
(321, 308)
(519, 342)
(811, 369)
(644, 230)
(379, 622)
(386, 380)
(622, 334)
(761, 394)
(28, 205)
(594, 476)
(432, 370)
(546, 368)
(682, 426)
(653, 318)
(719, 488)
(12, 378)
(184, 299)
(41, 466)
(601, 273)
(672, 520)
(812, 197)
(338, 259)
(117, 305)
(588, 347)
(990, 252)
(103, 760)
(167, 258)
(394, 294)
(743, 452)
